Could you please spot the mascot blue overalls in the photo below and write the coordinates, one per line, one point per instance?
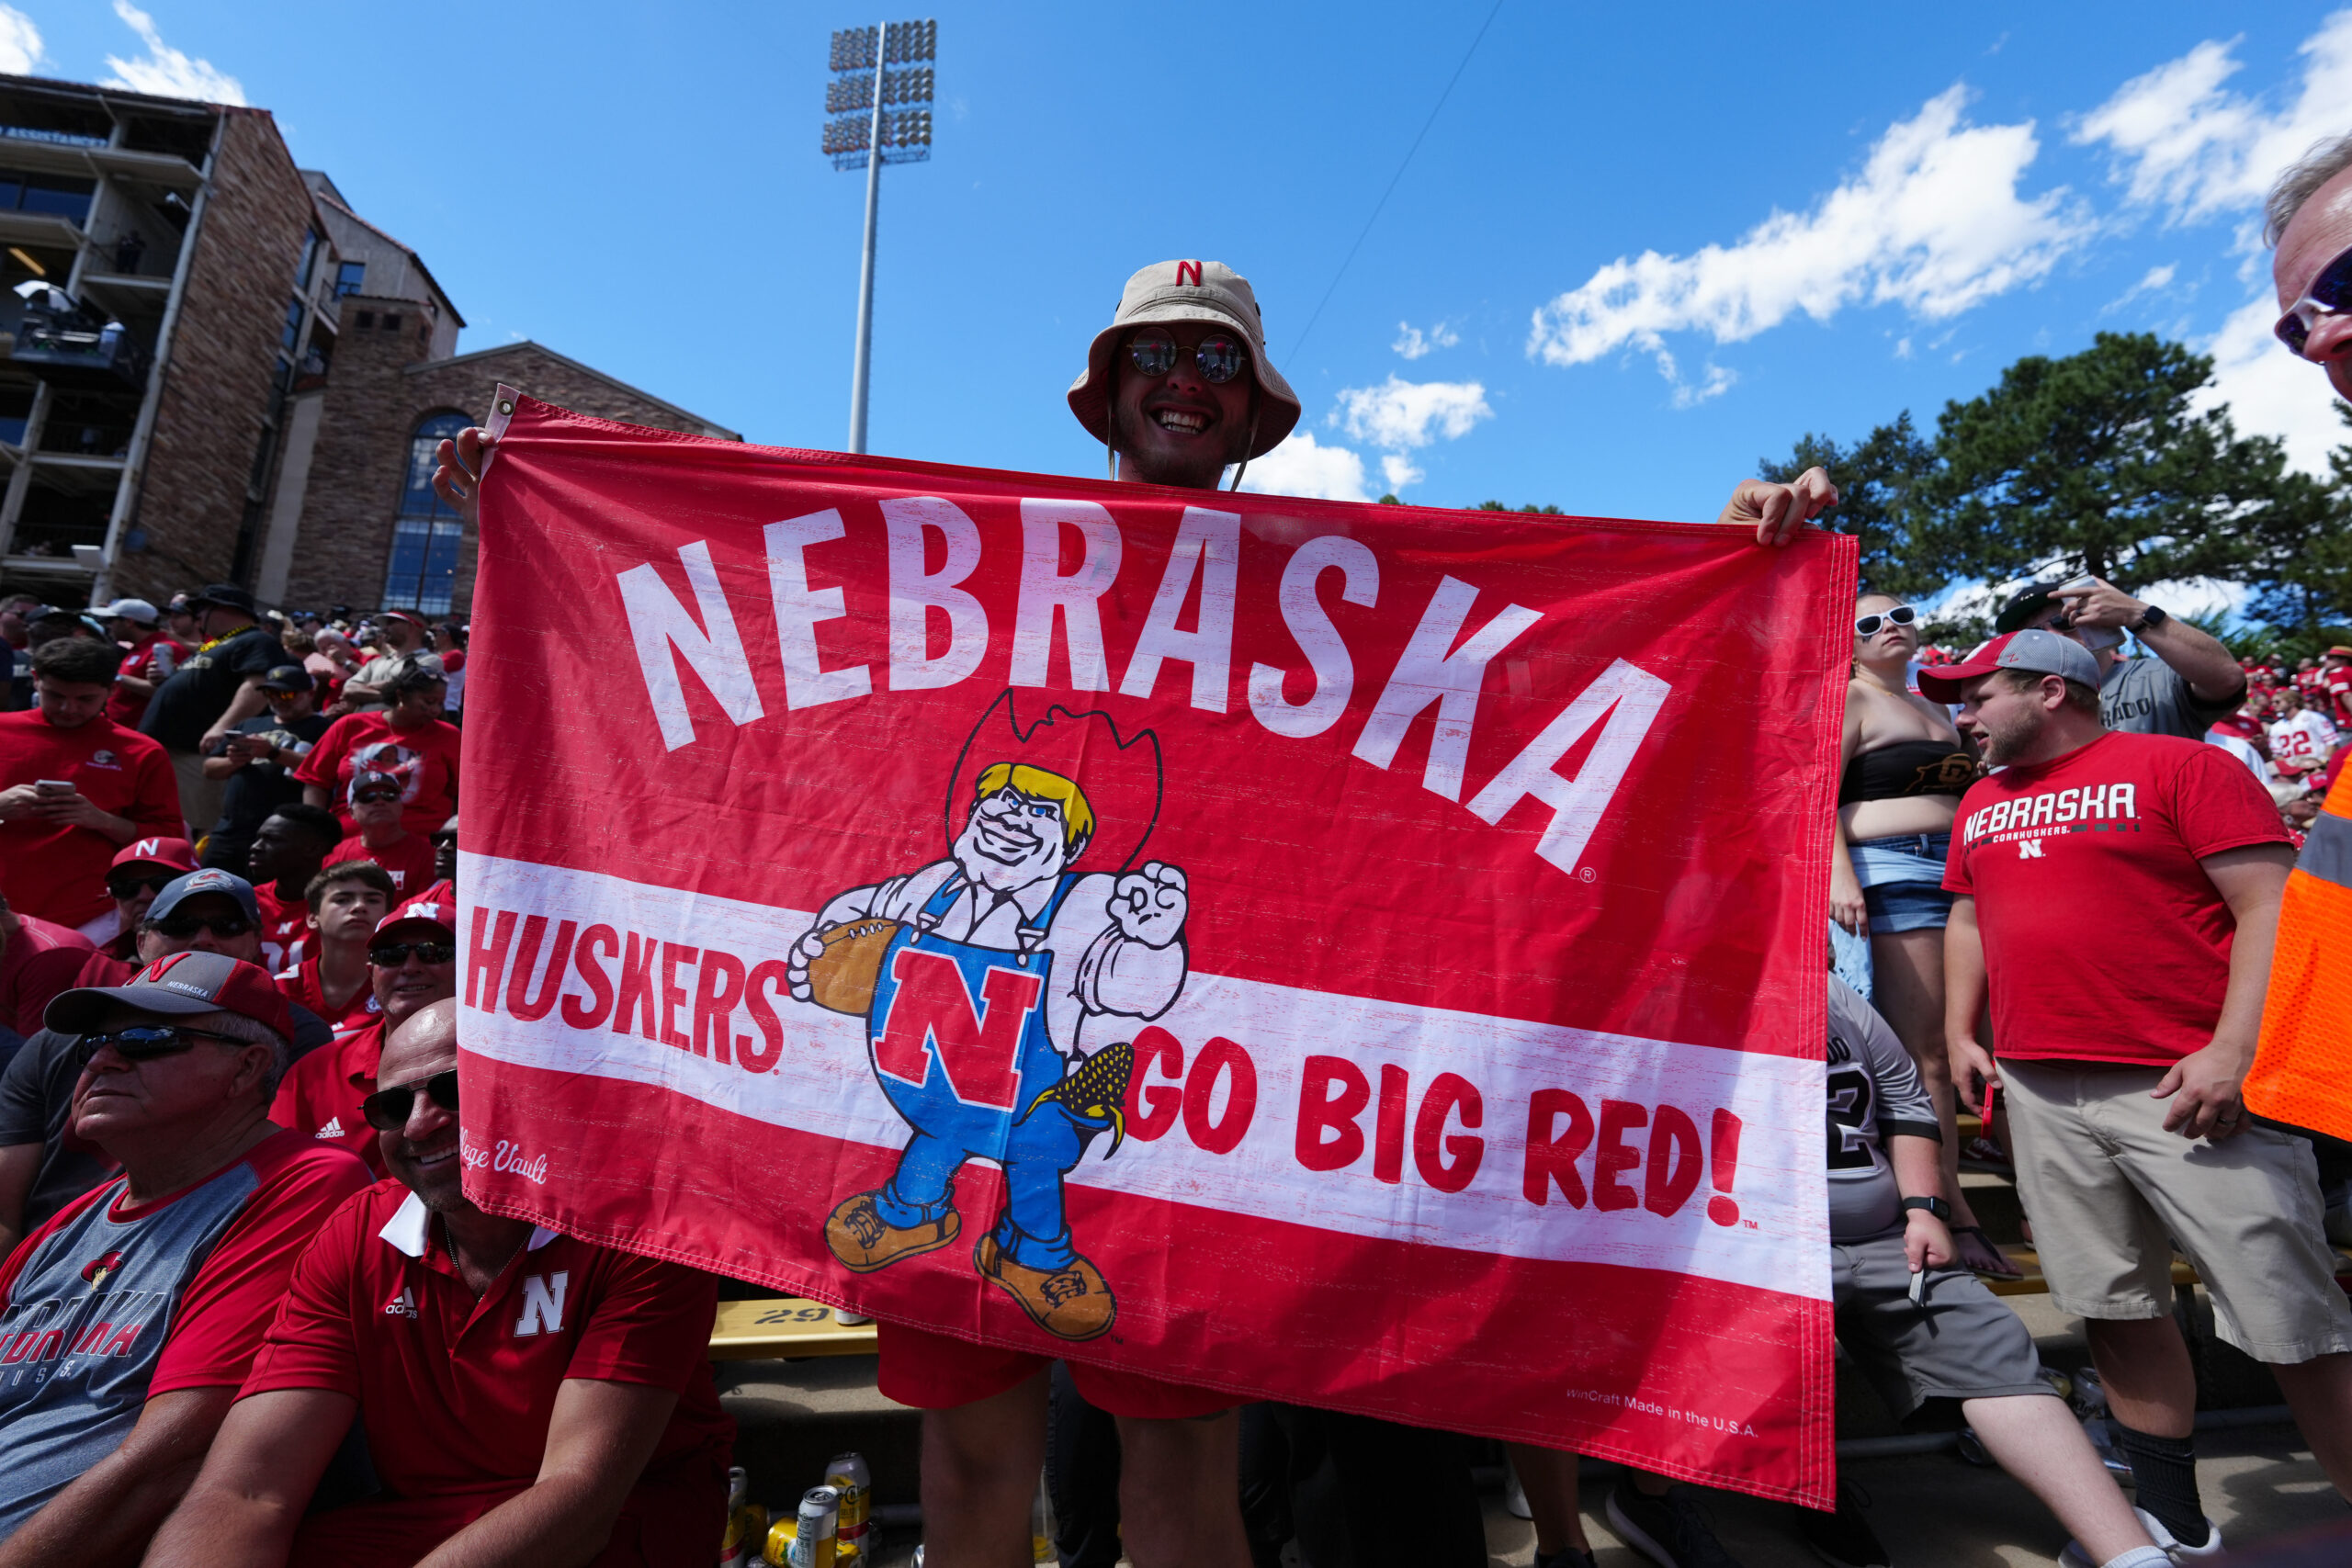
(1002, 989)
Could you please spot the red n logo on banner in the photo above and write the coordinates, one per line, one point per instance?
(1192, 267)
(979, 1050)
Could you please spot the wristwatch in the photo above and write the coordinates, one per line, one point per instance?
(2150, 619)
(1935, 1206)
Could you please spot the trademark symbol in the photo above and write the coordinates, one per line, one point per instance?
(1749, 1223)
(1586, 874)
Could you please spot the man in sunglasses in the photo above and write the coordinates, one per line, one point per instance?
(445, 864)
(2308, 216)
(2192, 683)
(289, 847)
(413, 957)
(376, 812)
(131, 1317)
(415, 1311)
(344, 905)
(74, 787)
(41, 1168)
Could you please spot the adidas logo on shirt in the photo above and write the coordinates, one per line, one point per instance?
(334, 1129)
(403, 1305)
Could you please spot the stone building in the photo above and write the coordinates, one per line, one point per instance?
(236, 374)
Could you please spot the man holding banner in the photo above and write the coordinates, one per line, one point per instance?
(1002, 987)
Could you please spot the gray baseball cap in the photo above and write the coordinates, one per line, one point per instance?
(2044, 653)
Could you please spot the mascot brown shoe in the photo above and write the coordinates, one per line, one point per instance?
(1071, 1302)
(863, 1241)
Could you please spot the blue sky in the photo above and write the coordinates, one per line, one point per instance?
(1640, 246)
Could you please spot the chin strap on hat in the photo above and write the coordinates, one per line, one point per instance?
(1251, 444)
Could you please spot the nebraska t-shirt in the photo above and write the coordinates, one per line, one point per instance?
(2104, 938)
(424, 760)
(108, 1304)
(60, 873)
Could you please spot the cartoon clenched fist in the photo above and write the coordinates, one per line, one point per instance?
(796, 975)
(1150, 905)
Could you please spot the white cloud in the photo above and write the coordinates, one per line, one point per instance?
(2154, 280)
(1412, 342)
(1714, 383)
(1401, 415)
(1399, 472)
(166, 71)
(1933, 223)
(2271, 392)
(1298, 467)
(2181, 139)
(20, 48)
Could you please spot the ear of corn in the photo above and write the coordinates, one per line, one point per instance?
(1097, 1091)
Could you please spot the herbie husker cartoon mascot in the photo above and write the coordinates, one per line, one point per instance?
(1001, 988)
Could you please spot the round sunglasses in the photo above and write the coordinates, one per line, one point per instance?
(388, 1109)
(1219, 357)
(2329, 295)
(1901, 616)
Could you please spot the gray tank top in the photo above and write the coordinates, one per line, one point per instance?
(85, 1325)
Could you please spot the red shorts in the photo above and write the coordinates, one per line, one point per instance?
(937, 1372)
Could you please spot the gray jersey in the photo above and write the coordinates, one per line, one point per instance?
(2147, 696)
(1875, 1091)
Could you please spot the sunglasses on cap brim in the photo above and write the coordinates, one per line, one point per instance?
(1219, 357)
(1901, 616)
(2329, 295)
(388, 1109)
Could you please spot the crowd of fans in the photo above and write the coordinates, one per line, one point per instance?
(248, 1315)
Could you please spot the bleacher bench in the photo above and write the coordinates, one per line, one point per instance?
(785, 1328)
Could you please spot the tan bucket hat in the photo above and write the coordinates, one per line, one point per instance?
(1186, 291)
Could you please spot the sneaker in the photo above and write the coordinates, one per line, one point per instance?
(1669, 1531)
(2076, 1557)
(1843, 1539)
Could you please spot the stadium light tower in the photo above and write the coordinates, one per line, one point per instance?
(878, 116)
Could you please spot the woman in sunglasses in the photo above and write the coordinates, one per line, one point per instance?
(1904, 769)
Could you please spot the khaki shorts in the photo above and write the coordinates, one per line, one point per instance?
(200, 797)
(2110, 1193)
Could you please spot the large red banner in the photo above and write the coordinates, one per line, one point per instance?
(1364, 956)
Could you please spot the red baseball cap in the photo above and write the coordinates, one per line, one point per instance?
(438, 913)
(177, 984)
(2041, 652)
(177, 854)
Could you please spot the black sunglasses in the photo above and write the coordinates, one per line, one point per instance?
(386, 1110)
(2329, 295)
(145, 1042)
(1901, 616)
(129, 886)
(375, 797)
(392, 955)
(181, 927)
(1219, 357)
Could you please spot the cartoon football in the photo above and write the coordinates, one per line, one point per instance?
(842, 978)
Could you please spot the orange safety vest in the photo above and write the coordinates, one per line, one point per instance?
(2302, 1073)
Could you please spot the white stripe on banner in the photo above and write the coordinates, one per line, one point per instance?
(1652, 1155)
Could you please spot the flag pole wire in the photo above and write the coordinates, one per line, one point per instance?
(1377, 206)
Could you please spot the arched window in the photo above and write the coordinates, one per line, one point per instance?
(423, 570)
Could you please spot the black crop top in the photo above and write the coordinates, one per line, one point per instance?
(1907, 767)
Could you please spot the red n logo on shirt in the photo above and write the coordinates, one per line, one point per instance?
(543, 1304)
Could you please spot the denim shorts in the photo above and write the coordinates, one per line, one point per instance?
(1902, 881)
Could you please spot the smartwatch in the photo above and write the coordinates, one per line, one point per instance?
(1935, 1206)
(2150, 619)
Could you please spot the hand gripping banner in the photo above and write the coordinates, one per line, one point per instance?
(1364, 956)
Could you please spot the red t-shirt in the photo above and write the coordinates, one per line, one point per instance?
(217, 1322)
(64, 969)
(285, 928)
(2104, 938)
(408, 860)
(424, 760)
(301, 983)
(2247, 727)
(59, 874)
(126, 707)
(320, 1098)
(456, 1392)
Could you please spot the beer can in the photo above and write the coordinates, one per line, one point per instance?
(780, 1536)
(847, 1474)
(735, 1549)
(167, 658)
(820, 1520)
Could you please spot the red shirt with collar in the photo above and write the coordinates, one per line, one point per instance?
(60, 873)
(285, 928)
(320, 1098)
(301, 984)
(456, 1393)
(408, 860)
